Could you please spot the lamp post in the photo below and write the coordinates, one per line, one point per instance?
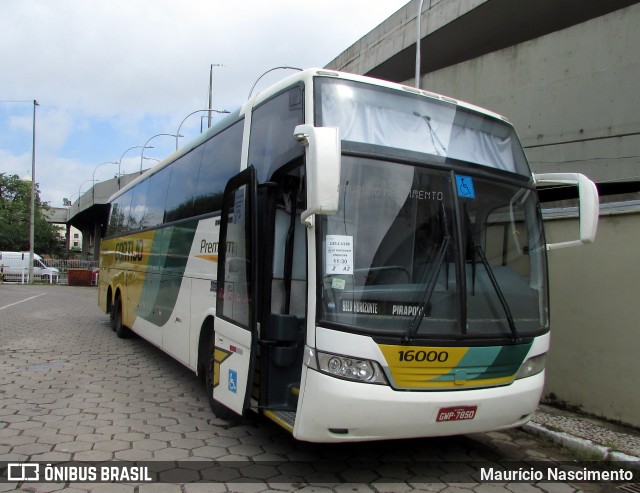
(211, 90)
(145, 145)
(93, 177)
(69, 200)
(418, 19)
(120, 161)
(285, 67)
(32, 214)
(193, 113)
(79, 194)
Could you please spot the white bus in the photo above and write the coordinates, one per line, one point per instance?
(352, 258)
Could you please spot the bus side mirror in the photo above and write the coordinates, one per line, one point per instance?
(589, 204)
(322, 149)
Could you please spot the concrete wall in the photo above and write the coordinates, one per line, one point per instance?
(572, 95)
(595, 318)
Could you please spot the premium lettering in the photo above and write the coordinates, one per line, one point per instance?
(208, 246)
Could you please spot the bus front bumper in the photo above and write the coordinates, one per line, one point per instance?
(335, 410)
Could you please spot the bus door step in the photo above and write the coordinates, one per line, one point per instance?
(286, 419)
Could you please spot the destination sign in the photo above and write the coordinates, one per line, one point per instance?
(387, 308)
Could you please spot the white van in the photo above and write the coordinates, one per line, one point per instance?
(15, 266)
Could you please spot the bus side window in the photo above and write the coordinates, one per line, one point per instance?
(156, 197)
(271, 144)
(120, 209)
(220, 161)
(182, 186)
(136, 217)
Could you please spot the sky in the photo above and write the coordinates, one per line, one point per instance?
(112, 74)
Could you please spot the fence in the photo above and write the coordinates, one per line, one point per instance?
(63, 266)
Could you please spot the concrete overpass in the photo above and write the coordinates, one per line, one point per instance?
(90, 212)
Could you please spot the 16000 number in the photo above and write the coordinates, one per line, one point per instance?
(420, 356)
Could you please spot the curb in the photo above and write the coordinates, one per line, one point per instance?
(583, 445)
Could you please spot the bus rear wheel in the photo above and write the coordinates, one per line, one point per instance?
(112, 316)
(211, 379)
(118, 326)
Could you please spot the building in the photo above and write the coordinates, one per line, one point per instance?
(72, 236)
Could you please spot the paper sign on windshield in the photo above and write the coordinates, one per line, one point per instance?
(339, 255)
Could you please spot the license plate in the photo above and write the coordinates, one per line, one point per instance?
(457, 413)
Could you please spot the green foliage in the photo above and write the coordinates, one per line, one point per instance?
(15, 206)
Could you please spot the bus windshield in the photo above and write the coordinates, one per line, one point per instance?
(446, 244)
(410, 255)
(375, 115)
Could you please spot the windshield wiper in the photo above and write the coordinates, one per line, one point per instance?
(428, 292)
(496, 287)
(434, 136)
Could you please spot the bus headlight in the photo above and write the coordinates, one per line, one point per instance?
(346, 367)
(532, 366)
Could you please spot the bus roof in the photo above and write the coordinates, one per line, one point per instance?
(188, 147)
(304, 76)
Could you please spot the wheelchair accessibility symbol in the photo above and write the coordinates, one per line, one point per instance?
(233, 381)
(464, 184)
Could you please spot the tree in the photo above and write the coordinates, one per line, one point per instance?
(15, 209)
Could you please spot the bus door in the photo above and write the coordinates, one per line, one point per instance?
(284, 299)
(235, 325)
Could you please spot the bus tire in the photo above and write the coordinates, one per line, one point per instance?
(121, 331)
(112, 316)
(220, 410)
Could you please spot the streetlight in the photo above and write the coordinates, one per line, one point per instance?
(193, 113)
(120, 161)
(93, 177)
(145, 145)
(285, 67)
(418, 19)
(67, 202)
(32, 214)
(79, 194)
(211, 89)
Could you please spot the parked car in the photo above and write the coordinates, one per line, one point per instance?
(15, 266)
